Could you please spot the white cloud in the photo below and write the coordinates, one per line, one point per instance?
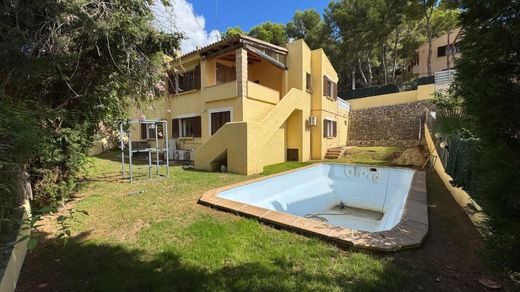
(180, 17)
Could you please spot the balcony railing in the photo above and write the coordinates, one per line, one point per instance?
(262, 93)
(221, 91)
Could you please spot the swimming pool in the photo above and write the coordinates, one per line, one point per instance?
(368, 206)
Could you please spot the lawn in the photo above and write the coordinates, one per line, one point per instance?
(151, 235)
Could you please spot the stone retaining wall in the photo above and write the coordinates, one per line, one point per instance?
(392, 125)
(385, 143)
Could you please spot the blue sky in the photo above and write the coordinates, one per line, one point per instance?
(221, 14)
(202, 20)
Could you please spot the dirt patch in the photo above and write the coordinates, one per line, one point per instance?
(449, 258)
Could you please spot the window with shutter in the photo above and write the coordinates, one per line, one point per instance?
(219, 119)
(175, 128)
(308, 82)
(196, 77)
(143, 131)
(325, 84)
(196, 126)
(329, 128)
(187, 81)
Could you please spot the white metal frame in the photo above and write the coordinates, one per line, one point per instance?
(150, 150)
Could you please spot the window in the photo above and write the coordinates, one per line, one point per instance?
(330, 88)
(225, 73)
(219, 119)
(184, 81)
(444, 50)
(441, 51)
(308, 82)
(329, 128)
(148, 131)
(186, 127)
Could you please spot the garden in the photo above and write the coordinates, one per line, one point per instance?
(152, 235)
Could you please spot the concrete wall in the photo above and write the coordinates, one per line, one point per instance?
(14, 265)
(460, 195)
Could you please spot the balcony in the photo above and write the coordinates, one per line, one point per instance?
(228, 90)
(262, 93)
(222, 91)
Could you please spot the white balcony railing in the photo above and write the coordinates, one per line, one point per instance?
(443, 79)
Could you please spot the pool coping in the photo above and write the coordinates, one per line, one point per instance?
(410, 232)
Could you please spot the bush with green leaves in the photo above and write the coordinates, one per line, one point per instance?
(65, 68)
(487, 81)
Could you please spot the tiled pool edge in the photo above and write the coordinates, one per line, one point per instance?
(410, 232)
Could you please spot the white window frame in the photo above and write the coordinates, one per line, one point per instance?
(329, 129)
(182, 128)
(219, 110)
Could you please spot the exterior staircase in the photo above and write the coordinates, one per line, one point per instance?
(335, 153)
(245, 142)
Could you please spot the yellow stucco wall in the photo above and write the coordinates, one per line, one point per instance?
(324, 107)
(460, 195)
(423, 92)
(268, 119)
(267, 74)
(437, 63)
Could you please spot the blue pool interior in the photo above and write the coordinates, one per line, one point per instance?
(368, 198)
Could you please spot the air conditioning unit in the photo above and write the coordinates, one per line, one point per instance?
(180, 155)
(313, 121)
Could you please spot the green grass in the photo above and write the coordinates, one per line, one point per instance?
(162, 240)
(284, 166)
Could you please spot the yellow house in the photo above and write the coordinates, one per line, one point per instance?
(245, 103)
(443, 56)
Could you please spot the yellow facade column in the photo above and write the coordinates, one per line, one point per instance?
(241, 71)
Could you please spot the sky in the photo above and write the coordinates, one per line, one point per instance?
(202, 21)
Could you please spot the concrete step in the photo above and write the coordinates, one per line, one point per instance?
(329, 156)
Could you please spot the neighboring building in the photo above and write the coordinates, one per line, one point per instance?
(245, 103)
(442, 54)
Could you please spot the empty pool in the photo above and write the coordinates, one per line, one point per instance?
(369, 206)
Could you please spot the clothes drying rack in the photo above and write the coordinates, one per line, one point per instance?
(125, 128)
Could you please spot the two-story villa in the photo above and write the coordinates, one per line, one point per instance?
(445, 50)
(245, 103)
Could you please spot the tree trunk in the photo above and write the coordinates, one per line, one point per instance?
(429, 33)
(394, 62)
(370, 74)
(353, 78)
(383, 61)
(362, 73)
(448, 50)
